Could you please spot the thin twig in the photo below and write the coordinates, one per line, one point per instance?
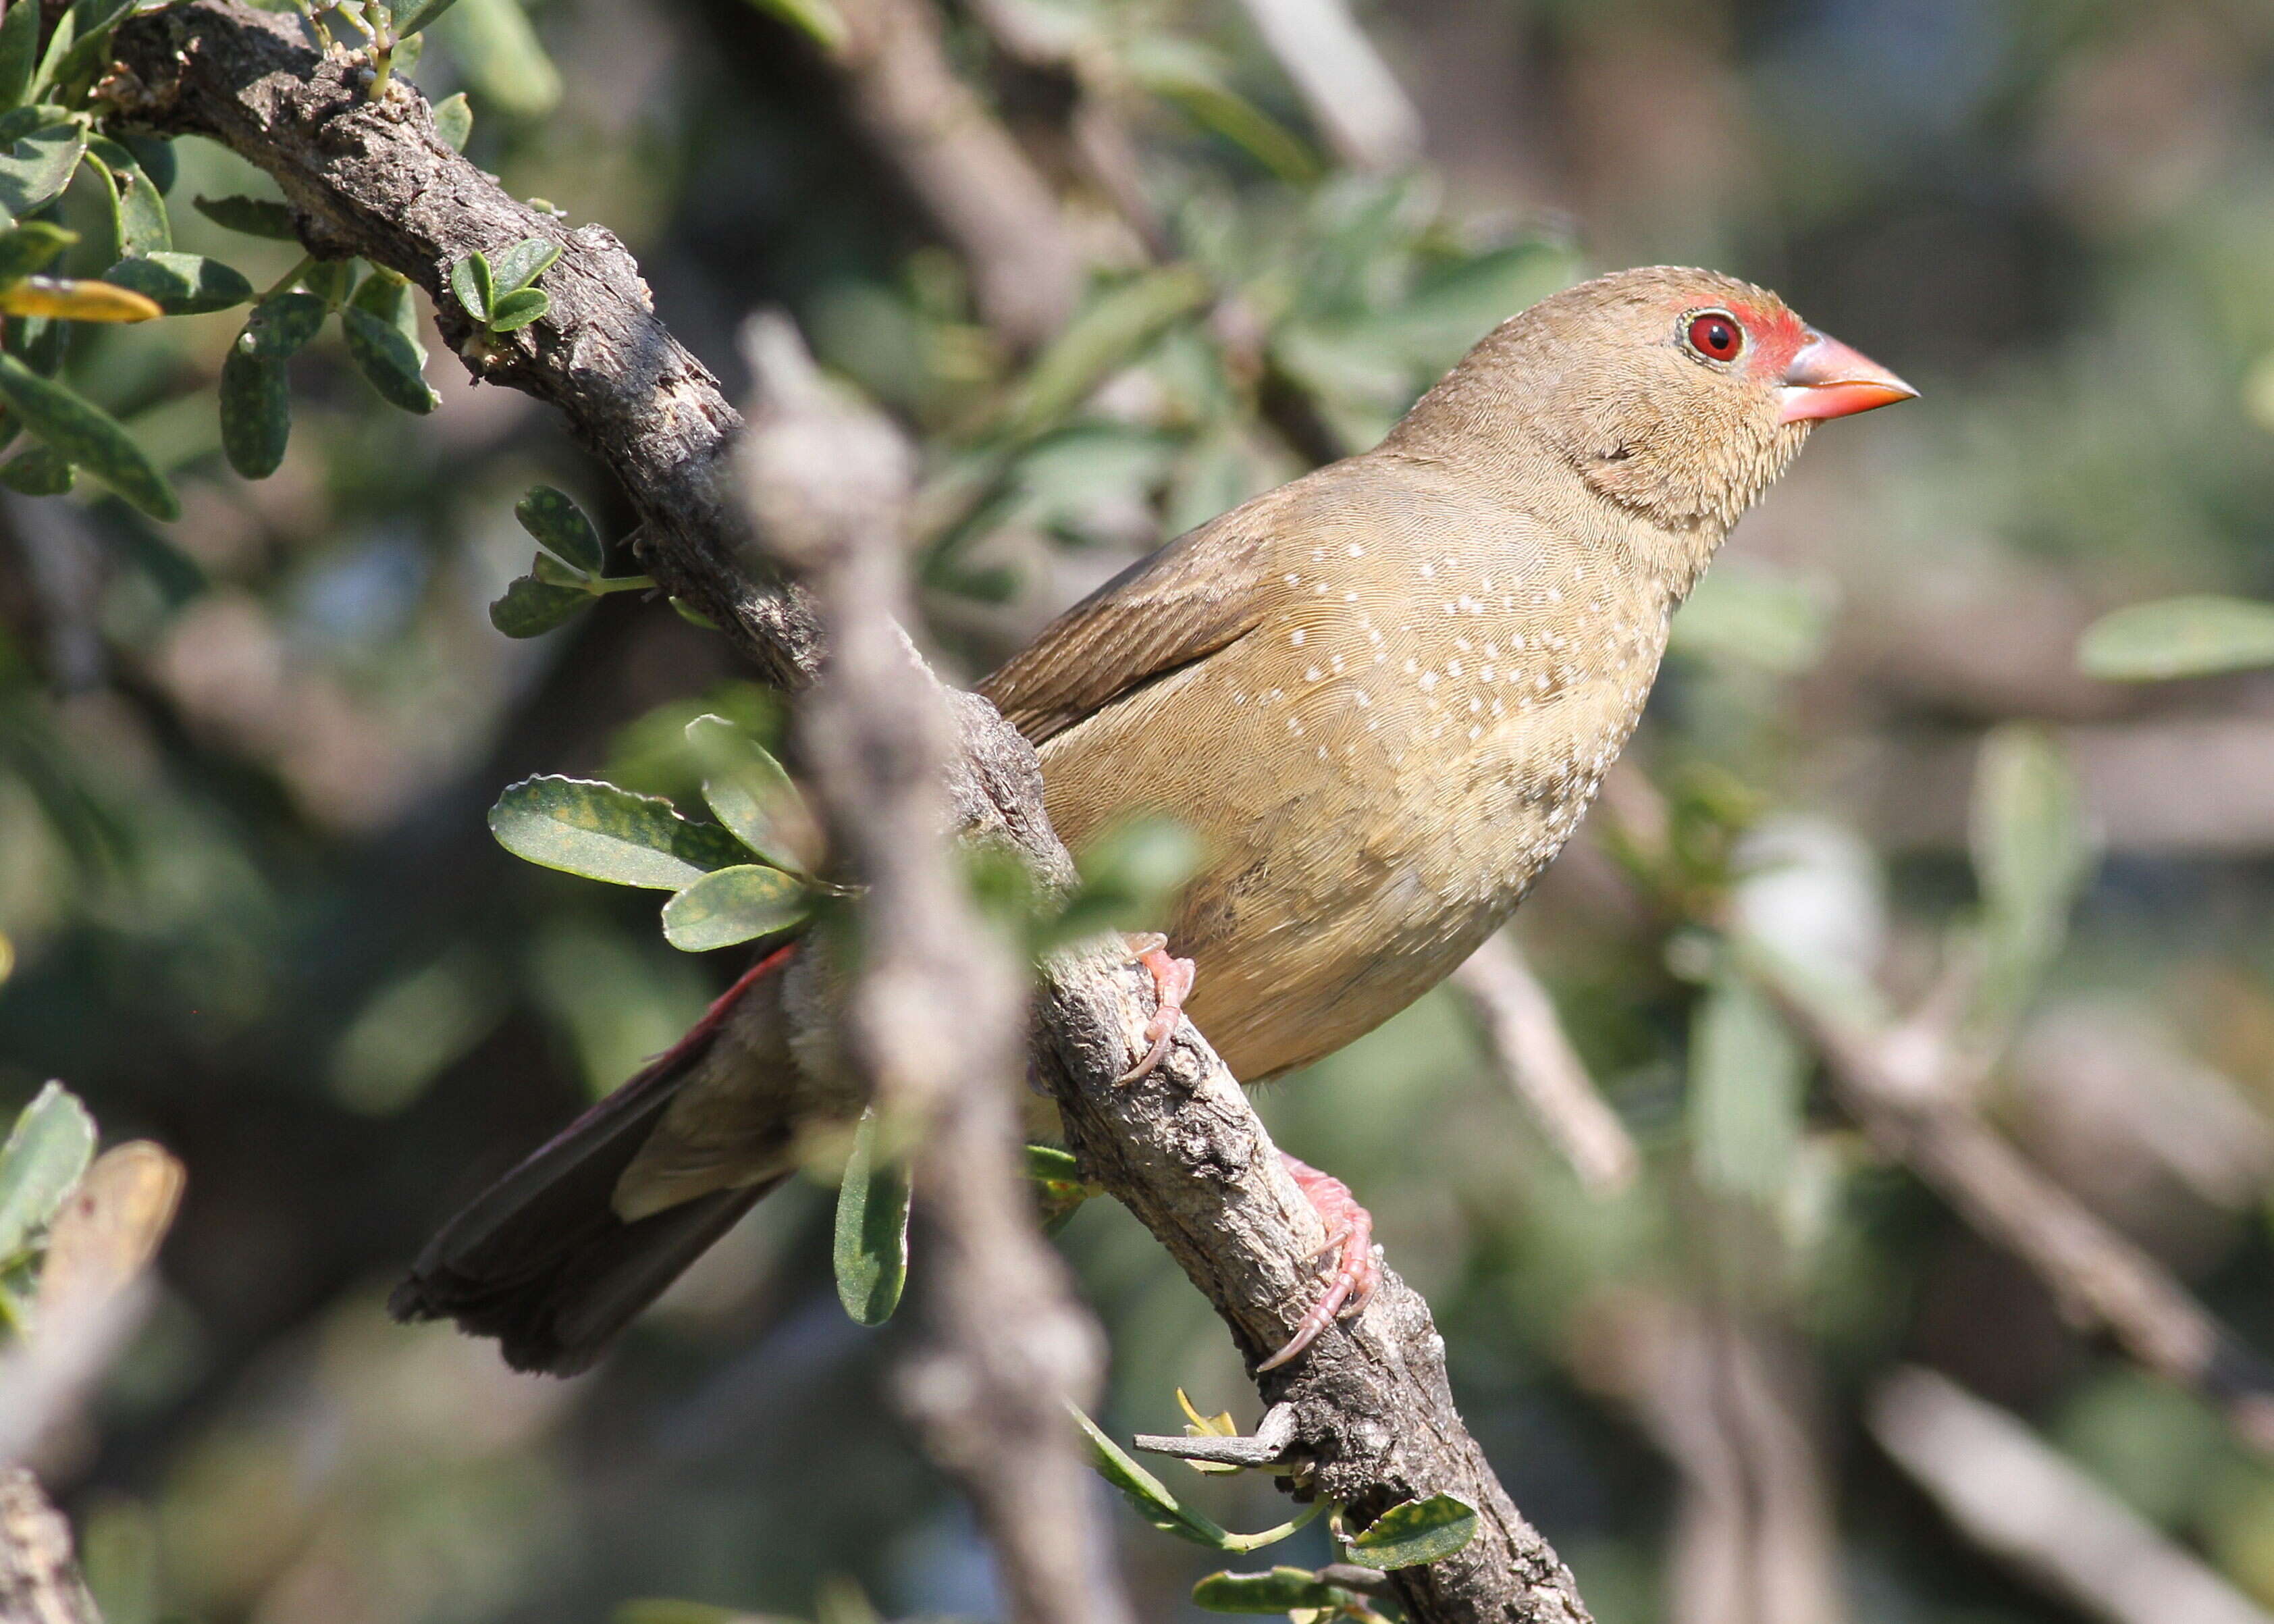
(1351, 93)
(1534, 1056)
(2013, 1496)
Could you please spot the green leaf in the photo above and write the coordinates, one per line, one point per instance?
(515, 311)
(816, 19)
(64, 299)
(497, 49)
(47, 1150)
(19, 51)
(416, 14)
(735, 905)
(1279, 1590)
(183, 285)
(253, 216)
(531, 607)
(89, 436)
(388, 360)
(26, 248)
(1159, 1507)
(1753, 615)
(1193, 80)
(282, 324)
(1417, 1531)
(1747, 1075)
(143, 227)
(79, 43)
(153, 155)
(748, 791)
(1046, 1164)
(331, 280)
(37, 163)
(1129, 875)
(454, 121)
(870, 1252)
(523, 263)
(604, 833)
(2033, 850)
(256, 410)
(553, 572)
(470, 283)
(2178, 637)
(560, 526)
(1097, 343)
(39, 472)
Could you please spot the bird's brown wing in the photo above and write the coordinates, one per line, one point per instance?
(1200, 592)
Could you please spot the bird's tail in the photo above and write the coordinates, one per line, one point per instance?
(541, 1260)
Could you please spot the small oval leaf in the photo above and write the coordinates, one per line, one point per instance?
(750, 792)
(253, 216)
(871, 1251)
(523, 263)
(2198, 636)
(46, 1152)
(470, 283)
(733, 905)
(37, 164)
(39, 472)
(561, 528)
(89, 436)
(20, 53)
(531, 608)
(256, 411)
(515, 311)
(1417, 1531)
(282, 324)
(388, 361)
(182, 285)
(604, 833)
(1276, 1591)
(454, 121)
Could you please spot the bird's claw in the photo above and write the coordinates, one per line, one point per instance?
(1172, 982)
(1357, 1263)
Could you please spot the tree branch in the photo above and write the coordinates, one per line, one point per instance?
(1183, 1149)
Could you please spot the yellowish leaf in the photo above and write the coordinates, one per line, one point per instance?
(68, 300)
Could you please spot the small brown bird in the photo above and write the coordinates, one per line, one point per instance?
(1381, 696)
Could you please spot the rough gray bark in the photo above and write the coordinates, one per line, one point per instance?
(1368, 1407)
(39, 1578)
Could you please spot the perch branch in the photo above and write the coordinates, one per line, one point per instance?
(1183, 1149)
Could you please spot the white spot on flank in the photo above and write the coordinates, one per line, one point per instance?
(1356, 551)
(1428, 681)
(1429, 571)
(1452, 668)
(1295, 636)
(1313, 675)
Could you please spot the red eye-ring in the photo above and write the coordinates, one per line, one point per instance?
(1716, 336)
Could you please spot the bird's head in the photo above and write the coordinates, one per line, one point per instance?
(1675, 393)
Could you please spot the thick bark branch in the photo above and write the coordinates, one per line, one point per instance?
(1183, 1149)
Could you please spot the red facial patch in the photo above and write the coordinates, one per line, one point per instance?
(1776, 337)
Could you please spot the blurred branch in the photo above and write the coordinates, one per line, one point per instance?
(978, 186)
(931, 1022)
(1910, 1089)
(39, 1578)
(2014, 1496)
(1352, 96)
(1753, 1541)
(1535, 1057)
(1183, 1149)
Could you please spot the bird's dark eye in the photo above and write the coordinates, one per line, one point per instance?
(1716, 336)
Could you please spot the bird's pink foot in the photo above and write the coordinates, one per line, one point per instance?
(1172, 981)
(1349, 1239)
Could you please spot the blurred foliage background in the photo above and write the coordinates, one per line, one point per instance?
(248, 906)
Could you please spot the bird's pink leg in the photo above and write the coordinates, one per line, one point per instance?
(1350, 1237)
(1172, 980)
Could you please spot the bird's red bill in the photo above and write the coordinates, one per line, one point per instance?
(1826, 379)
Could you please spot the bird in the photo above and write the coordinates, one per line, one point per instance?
(1380, 696)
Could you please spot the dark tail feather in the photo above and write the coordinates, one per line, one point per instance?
(540, 1260)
